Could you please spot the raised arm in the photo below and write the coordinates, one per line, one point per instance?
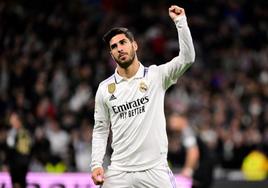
(172, 70)
(187, 53)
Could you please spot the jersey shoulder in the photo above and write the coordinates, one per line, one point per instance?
(153, 71)
(107, 81)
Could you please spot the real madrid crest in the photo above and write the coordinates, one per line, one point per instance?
(143, 87)
(111, 88)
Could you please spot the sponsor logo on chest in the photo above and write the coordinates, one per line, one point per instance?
(129, 108)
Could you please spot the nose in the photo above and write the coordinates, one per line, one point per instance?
(119, 48)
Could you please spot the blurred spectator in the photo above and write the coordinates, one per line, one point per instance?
(80, 98)
(179, 126)
(41, 151)
(3, 149)
(58, 138)
(188, 152)
(82, 147)
(56, 165)
(19, 144)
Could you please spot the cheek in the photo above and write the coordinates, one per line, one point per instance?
(132, 50)
(113, 54)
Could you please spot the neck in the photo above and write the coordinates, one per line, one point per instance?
(129, 71)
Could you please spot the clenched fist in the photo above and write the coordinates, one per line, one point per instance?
(175, 11)
(97, 176)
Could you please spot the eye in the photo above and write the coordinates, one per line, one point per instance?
(113, 46)
(122, 42)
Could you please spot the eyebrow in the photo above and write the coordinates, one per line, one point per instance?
(115, 44)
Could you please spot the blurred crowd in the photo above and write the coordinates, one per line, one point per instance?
(52, 59)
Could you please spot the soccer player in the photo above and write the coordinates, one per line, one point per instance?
(131, 104)
(179, 125)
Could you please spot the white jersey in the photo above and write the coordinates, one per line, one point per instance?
(134, 110)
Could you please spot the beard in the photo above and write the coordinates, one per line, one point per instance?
(127, 62)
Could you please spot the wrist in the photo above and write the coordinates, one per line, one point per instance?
(95, 167)
(180, 20)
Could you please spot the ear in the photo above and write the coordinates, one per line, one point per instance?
(135, 45)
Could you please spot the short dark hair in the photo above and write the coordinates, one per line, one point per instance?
(115, 31)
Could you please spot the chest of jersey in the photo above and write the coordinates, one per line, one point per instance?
(129, 98)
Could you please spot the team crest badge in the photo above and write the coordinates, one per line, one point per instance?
(143, 87)
(111, 88)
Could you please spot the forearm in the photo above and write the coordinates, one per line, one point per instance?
(99, 144)
(187, 52)
(192, 157)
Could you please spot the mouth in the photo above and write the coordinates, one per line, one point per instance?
(123, 58)
(123, 55)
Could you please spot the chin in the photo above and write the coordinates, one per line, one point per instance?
(125, 64)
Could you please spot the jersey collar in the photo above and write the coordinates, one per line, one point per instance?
(140, 74)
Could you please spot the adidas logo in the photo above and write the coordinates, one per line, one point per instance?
(112, 97)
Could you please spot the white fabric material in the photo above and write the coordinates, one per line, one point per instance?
(160, 176)
(188, 138)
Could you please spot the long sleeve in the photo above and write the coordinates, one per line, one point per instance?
(100, 131)
(187, 52)
(172, 70)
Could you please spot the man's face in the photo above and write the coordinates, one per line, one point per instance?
(14, 120)
(176, 123)
(123, 50)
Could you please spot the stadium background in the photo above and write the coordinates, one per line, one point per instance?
(52, 59)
